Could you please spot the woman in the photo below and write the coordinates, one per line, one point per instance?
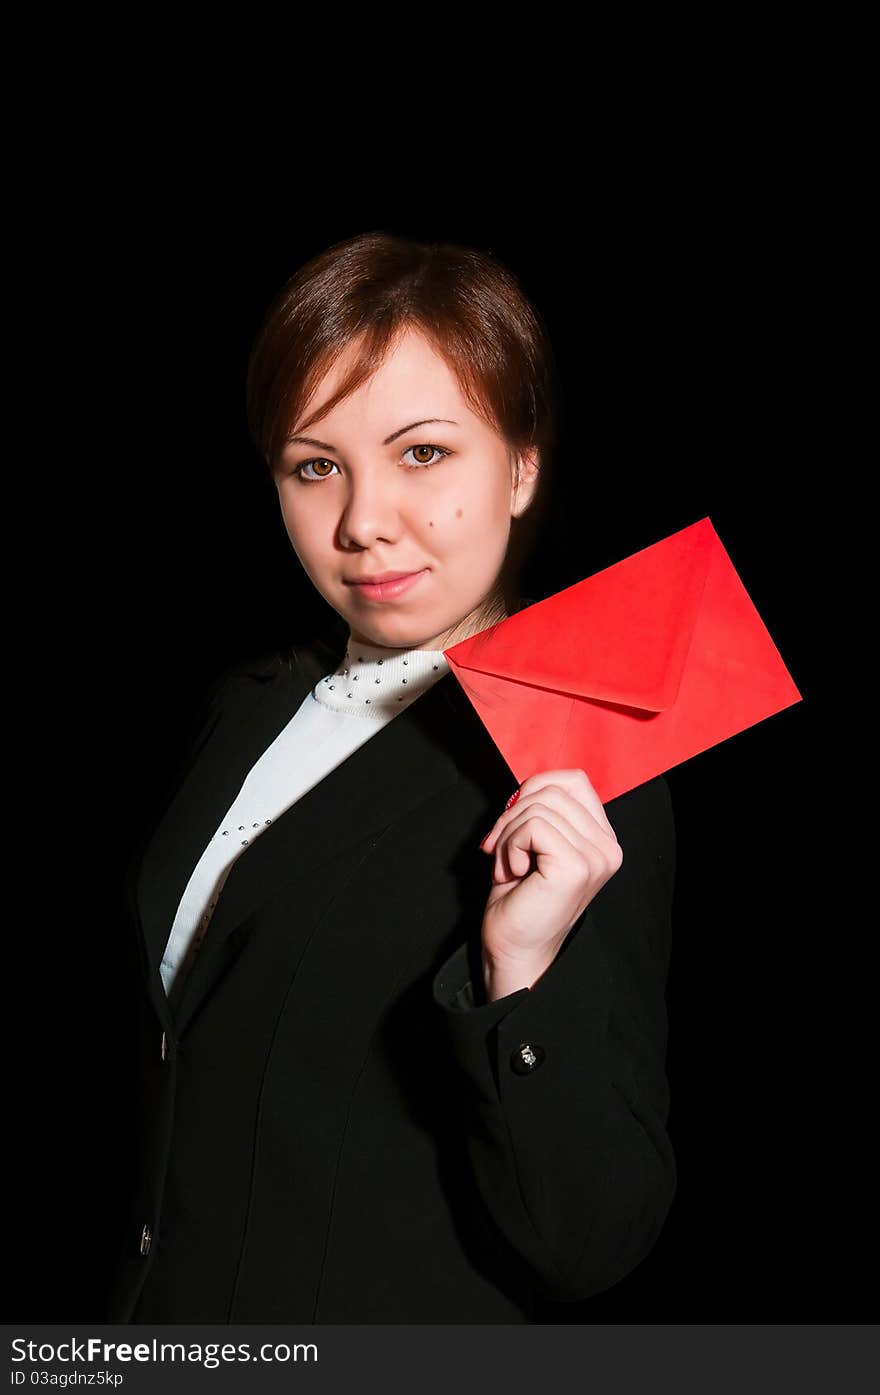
(392, 1073)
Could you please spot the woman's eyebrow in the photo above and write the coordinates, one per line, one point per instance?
(323, 445)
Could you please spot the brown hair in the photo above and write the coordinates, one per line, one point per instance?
(369, 288)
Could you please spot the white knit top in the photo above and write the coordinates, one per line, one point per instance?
(344, 709)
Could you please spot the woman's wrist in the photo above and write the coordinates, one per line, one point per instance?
(503, 975)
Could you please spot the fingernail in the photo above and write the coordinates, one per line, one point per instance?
(512, 800)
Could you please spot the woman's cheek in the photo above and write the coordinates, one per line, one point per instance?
(457, 514)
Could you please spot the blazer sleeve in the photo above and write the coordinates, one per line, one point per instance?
(564, 1097)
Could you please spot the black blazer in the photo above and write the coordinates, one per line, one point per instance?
(334, 1126)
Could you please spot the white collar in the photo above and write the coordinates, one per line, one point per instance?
(373, 681)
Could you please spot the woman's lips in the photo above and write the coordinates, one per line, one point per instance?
(386, 590)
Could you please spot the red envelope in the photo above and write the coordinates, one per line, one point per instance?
(629, 672)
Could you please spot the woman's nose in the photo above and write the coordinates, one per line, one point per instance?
(371, 511)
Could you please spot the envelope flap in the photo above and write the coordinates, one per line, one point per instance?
(620, 636)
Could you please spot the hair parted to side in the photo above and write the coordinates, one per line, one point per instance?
(371, 287)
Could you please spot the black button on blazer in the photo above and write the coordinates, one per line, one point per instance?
(334, 1124)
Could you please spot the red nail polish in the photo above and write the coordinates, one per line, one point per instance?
(512, 800)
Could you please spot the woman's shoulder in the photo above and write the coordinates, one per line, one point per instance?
(644, 825)
(650, 799)
(311, 658)
(647, 808)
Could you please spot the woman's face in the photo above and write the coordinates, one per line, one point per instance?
(403, 477)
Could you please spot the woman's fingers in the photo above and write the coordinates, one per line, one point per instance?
(523, 836)
(568, 793)
(559, 850)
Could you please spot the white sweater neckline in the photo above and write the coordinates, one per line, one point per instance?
(375, 681)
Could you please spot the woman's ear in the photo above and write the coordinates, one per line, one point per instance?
(526, 470)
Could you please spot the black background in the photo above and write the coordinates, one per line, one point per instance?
(686, 342)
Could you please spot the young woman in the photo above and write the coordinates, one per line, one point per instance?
(403, 1037)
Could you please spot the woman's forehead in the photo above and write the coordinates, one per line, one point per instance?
(412, 383)
(410, 358)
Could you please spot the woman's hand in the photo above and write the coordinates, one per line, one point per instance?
(553, 849)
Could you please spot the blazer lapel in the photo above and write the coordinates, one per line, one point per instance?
(407, 761)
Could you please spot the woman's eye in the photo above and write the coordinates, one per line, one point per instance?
(421, 463)
(305, 463)
(321, 468)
